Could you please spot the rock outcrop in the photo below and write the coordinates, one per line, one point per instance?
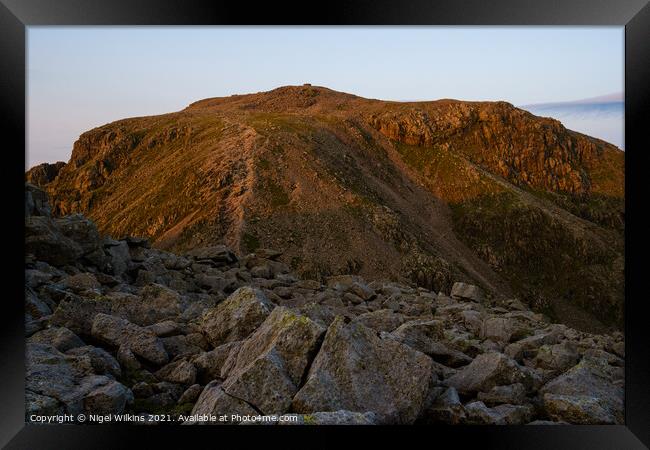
(151, 336)
(43, 173)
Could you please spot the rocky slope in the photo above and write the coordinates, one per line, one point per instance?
(115, 326)
(423, 192)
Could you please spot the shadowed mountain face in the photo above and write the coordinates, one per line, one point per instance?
(424, 192)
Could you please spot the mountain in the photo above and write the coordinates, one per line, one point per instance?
(601, 116)
(418, 192)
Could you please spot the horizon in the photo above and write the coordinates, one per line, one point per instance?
(80, 78)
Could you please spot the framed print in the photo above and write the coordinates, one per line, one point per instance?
(364, 220)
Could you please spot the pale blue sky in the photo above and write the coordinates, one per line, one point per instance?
(83, 77)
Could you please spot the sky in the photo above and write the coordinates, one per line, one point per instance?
(83, 77)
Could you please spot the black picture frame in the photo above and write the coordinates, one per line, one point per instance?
(16, 15)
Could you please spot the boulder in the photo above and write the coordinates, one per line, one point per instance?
(80, 230)
(175, 390)
(190, 395)
(262, 271)
(464, 342)
(179, 372)
(165, 328)
(311, 285)
(589, 392)
(107, 280)
(209, 364)
(342, 282)
(268, 253)
(77, 314)
(137, 241)
(473, 321)
(156, 303)
(81, 282)
(446, 408)
(479, 414)
(212, 282)
(70, 381)
(320, 314)
(513, 394)
(47, 243)
(119, 257)
(111, 398)
(35, 278)
(357, 371)
(117, 332)
(36, 201)
(362, 291)
(35, 307)
(352, 299)
(381, 320)
(271, 363)
(214, 401)
(425, 335)
(100, 360)
(558, 357)
(236, 317)
(41, 405)
(464, 291)
(197, 305)
(579, 409)
(142, 390)
(161, 396)
(180, 345)
(127, 359)
(489, 370)
(527, 347)
(503, 329)
(60, 337)
(216, 254)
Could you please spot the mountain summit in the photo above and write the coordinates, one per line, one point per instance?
(418, 192)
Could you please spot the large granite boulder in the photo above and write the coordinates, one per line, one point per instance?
(59, 337)
(488, 370)
(271, 363)
(464, 291)
(355, 370)
(58, 382)
(591, 392)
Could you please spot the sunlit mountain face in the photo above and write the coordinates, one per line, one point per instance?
(601, 117)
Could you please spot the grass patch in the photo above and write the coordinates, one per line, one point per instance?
(449, 176)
